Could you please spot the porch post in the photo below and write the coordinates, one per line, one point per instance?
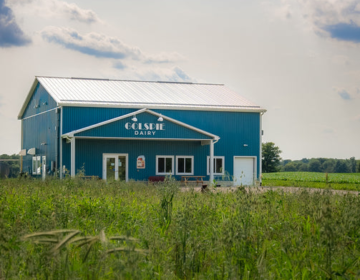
(72, 141)
(211, 162)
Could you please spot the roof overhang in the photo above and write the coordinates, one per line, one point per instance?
(163, 106)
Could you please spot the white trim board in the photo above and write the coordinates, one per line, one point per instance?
(208, 167)
(172, 167)
(192, 165)
(134, 138)
(165, 107)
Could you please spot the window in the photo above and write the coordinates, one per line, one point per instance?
(36, 165)
(219, 165)
(164, 165)
(184, 165)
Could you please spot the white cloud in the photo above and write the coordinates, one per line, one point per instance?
(164, 57)
(102, 46)
(338, 19)
(94, 44)
(348, 93)
(55, 9)
(340, 60)
(357, 118)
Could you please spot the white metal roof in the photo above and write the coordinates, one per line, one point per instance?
(156, 95)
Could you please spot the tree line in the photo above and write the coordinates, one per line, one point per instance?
(272, 162)
(326, 165)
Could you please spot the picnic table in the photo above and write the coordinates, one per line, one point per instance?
(197, 179)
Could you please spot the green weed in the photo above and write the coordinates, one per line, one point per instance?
(134, 231)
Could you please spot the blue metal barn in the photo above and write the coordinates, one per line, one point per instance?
(127, 130)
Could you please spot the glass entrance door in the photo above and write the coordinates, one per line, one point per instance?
(115, 167)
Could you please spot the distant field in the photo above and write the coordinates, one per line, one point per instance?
(340, 181)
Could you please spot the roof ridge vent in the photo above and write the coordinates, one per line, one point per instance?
(95, 79)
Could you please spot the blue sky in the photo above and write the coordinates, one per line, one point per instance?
(299, 59)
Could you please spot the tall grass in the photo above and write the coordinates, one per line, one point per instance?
(75, 229)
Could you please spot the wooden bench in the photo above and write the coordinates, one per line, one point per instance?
(197, 179)
(156, 179)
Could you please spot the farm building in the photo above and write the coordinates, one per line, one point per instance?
(127, 130)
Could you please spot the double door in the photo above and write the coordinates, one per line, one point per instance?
(115, 167)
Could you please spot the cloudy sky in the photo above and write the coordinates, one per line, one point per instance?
(299, 59)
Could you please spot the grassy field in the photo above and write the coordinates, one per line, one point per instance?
(345, 181)
(134, 231)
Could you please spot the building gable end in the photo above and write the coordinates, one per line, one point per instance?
(142, 124)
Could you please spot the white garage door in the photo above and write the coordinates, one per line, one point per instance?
(244, 171)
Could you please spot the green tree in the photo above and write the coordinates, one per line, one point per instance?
(303, 167)
(352, 165)
(290, 167)
(328, 166)
(341, 166)
(314, 165)
(270, 157)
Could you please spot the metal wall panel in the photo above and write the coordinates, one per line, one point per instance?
(40, 102)
(235, 130)
(40, 129)
(89, 155)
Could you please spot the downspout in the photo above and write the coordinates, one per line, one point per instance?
(211, 162)
(60, 140)
(212, 142)
(22, 143)
(260, 152)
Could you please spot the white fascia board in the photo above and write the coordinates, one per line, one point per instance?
(140, 138)
(71, 134)
(184, 124)
(166, 107)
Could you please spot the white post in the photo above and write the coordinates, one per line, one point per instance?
(260, 152)
(211, 162)
(72, 141)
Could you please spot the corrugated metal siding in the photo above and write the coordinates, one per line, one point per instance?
(39, 129)
(79, 117)
(89, 154)
(40, 102)
(234, 129)
(117, 129)
(91, 92)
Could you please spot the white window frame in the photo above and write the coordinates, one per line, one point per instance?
(36, 170)
(208, 167)
(192, 165)
(172, 165)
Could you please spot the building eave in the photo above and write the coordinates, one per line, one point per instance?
(165, 107)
